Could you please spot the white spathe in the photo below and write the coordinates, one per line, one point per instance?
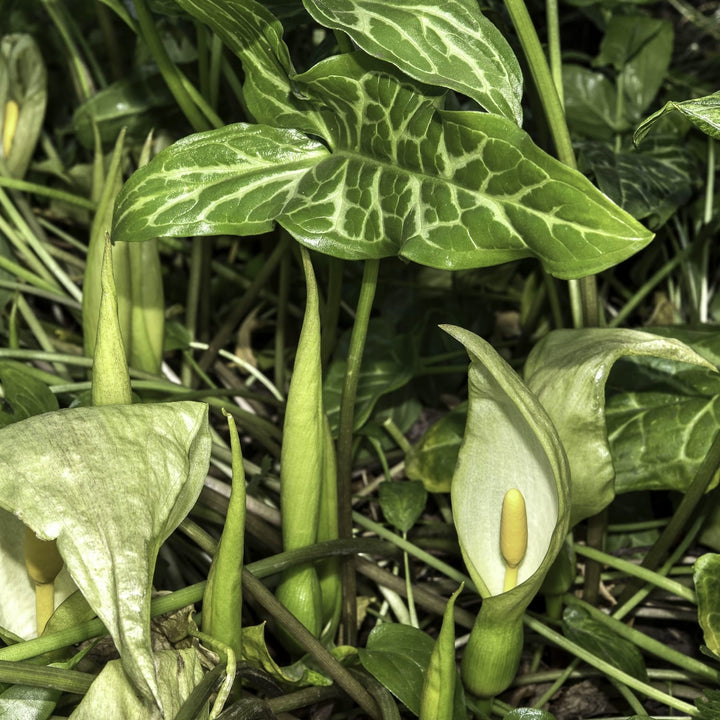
(17, 602)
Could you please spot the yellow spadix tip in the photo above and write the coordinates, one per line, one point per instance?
(513, 535)
(12, 113)
(42, 559)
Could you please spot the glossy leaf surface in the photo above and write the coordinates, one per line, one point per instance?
(648, 183)
(661, 422)
(703, 113)
(639, 48)
(596, 637)
(388, 364)
(591, 103)
(447, 189)
(397, 656)
(252, 32)
(450, 44)
(706, 576)
(26, 394)
(110, 483)
(135, 103)
(433, 458)
(568, 370)
(402, 503)
(234, 180)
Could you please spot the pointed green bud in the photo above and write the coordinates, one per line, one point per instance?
(110, 380)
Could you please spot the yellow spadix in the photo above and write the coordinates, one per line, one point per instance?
(513, 535)
(12, 113)
(43, 563)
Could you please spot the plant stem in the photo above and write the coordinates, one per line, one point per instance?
(345, 442)
(192, 300)
(554, 50)
(46, 191)
(646, 643)
(320, 654)
(559, 682)
(55, 678)
(170, 71)
(414, 550)
(280, 323)
(245, 303)
(638, 571)
(543, 80)
(331, 312)
(596, 531)
(608, 669)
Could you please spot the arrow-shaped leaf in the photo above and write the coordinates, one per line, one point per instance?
(450, 44)
(450, 190)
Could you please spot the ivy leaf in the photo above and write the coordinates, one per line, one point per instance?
(651, 183)
(433, 458)
(402, 503)
(706, 576)
(703, 113)
(398, 656)
(450, 44)
(254, 34)
(595, 637)
(110, 483)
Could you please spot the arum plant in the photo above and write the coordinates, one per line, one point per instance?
(107, 484)
(511, 507)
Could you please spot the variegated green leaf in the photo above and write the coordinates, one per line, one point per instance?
(568, 370)
(651, 182)
(254, 34)
(447, 189)
(233, 180)
(659, 434)
(450, 44)
(703, 113)
(450, 190)
(706, 575)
